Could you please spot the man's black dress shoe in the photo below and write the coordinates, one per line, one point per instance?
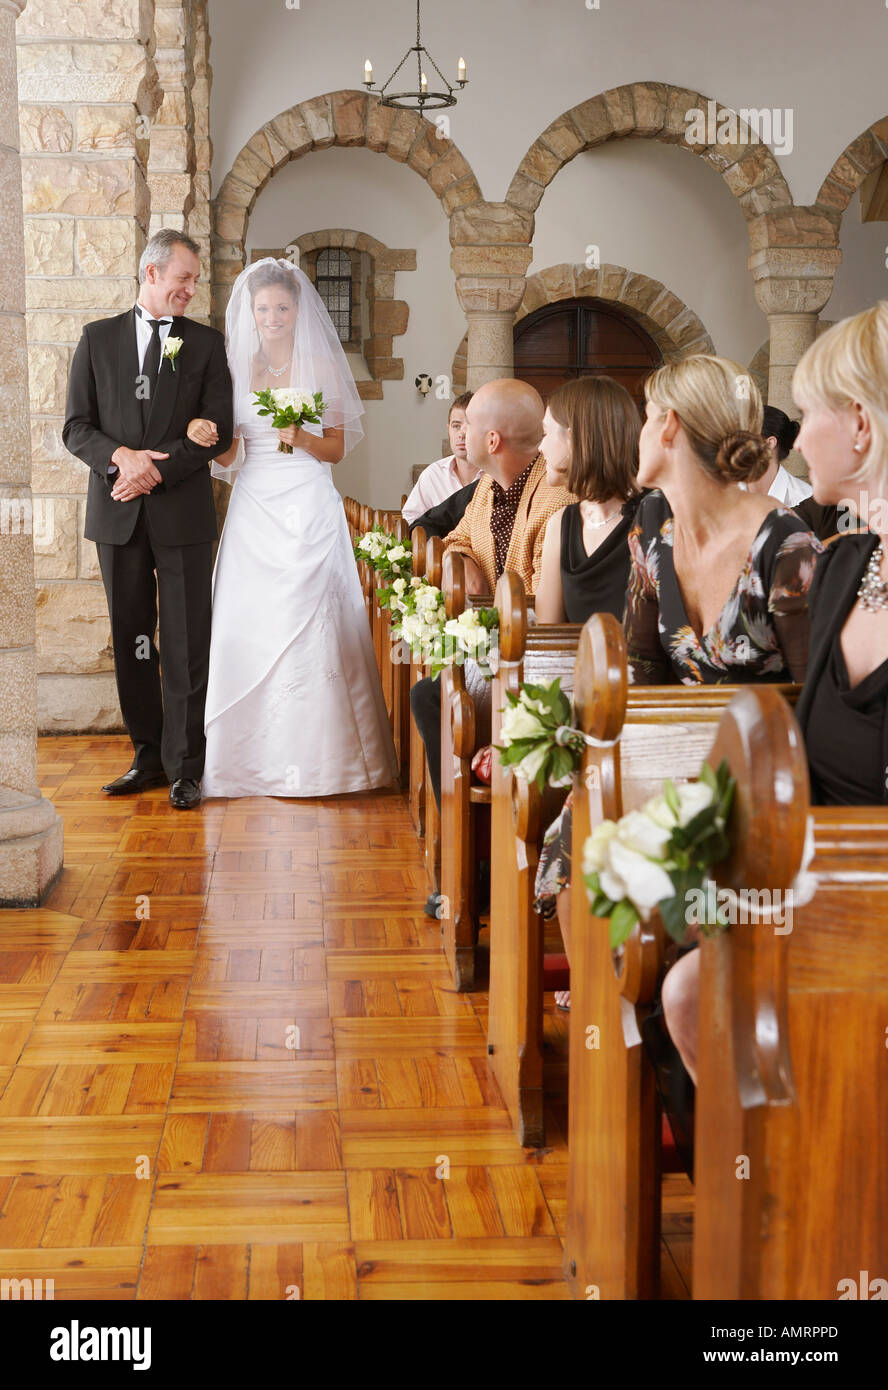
(185, 793)
(136, 780)
(433, 905)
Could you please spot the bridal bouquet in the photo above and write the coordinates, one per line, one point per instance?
(656, 857)
(537, 738)
(289, 405)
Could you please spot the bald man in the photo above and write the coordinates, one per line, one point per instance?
(503, 527)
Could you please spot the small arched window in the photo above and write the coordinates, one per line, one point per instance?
(334, 284)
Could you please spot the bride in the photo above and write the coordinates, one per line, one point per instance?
(294, 705)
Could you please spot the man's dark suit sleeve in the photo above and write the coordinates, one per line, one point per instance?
(215, 404)
(80, 433)
(443, 518)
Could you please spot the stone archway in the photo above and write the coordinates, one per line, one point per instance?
(856, 161)
(338, 118)
(655, 111)
(674, 327)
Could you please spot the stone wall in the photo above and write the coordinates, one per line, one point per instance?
(108, 155)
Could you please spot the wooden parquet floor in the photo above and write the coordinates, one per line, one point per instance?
(233, 1066)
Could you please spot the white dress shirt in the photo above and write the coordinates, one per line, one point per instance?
(435, 484)
(789, 489)
(786, 487)
(144, 321)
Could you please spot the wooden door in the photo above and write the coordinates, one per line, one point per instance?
(583, 337)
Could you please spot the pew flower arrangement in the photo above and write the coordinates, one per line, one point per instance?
(388, 556)
(653, 858)
(537, 738)
(419, 618)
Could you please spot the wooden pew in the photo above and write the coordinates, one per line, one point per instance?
(519, 819)
(793, 1028)
(465, 808)
(612, 1243)
(432, 840)
(417, 779)
(365, 521)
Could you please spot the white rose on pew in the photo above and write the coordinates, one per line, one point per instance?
(638, 832)
(595, 848)
(531, 763)
(629, 873)
(427, 599)
(397, 552)
(399, 586)
(519, 722)
(535, 706)
(411, 627)
(693, 797)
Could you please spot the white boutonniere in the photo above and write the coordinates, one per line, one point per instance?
(171, 349)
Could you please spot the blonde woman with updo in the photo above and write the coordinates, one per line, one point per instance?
(718, 589)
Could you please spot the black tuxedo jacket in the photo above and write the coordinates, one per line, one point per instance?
(103, 412)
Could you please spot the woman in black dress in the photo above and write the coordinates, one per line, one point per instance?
(841, 385)
(590, 444)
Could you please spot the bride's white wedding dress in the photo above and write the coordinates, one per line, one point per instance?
(294, 705)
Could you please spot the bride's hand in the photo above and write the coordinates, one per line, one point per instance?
(202, 432)
(294, 435)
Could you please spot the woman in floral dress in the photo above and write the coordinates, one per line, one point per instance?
(718, 586)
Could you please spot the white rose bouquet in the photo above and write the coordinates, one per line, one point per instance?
(537, 738)
(388, 556)
(654, 857)
(289, 405)
(421, 621)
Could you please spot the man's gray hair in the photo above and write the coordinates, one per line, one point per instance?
(160, 249)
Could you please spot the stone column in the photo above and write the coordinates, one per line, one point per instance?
(792, 284)
(790, 337)
(30, 829)
(87, 94)
(179, 163)
(490, 259)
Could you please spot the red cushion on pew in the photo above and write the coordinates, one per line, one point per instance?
(556, 973)
(671, 1163)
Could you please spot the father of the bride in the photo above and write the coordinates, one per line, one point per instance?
(136, 382)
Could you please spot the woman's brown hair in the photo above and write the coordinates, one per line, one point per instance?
(604, 426)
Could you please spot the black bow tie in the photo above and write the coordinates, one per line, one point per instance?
(143, 315)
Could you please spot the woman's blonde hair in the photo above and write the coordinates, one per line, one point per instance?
(848, 363)
(720, 409)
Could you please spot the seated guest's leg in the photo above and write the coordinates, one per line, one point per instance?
(425, 702)
(552, 888)
(562, 904)
(679, 997)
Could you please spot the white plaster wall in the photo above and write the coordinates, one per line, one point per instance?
(662, 212)
(529, 60)
(862, 276)
(371, 193)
